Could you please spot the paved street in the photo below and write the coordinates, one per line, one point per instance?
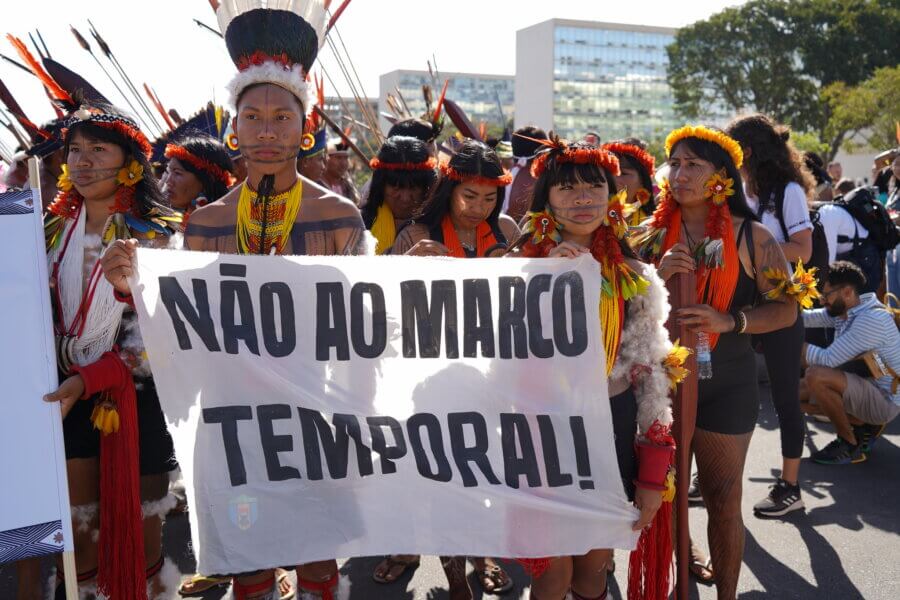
(845, 546)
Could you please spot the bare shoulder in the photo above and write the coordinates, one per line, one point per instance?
(509, 228)
(322, 204)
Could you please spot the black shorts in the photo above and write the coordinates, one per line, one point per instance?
(624, 418)
(156, 448)
(729, 402)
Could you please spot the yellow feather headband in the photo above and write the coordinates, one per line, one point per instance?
(728, 144)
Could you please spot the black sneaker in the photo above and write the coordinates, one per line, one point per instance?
(782, 499)
(839, 452)
(694, 495)
(866, 435)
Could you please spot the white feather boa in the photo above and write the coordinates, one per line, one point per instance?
(642, 350)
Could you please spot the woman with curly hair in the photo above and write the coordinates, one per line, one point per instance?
(702, 224)
(778, 187)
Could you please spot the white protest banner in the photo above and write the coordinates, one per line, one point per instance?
(328, 407)
(34, 506)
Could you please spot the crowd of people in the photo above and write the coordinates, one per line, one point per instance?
(739, 208)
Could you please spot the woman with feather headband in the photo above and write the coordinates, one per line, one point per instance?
(118, 449)
(199, 171)
(637, 166)
(577, 209)
(461, 217)
(402, 175)
(702, 224)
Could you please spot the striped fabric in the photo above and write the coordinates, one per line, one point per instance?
(867, 327)
(27, 542)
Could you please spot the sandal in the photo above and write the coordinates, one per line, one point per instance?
(495, 577)
(391, 563)
(701, 569)
(198, 585)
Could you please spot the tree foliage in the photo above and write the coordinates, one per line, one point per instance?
(775, 57)
(865, 115)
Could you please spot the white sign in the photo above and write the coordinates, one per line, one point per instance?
(328, 407)
(34, 505)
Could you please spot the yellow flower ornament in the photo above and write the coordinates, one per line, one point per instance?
(131, 175)
(719, 187)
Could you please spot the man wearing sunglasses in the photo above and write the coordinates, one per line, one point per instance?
(858, 406)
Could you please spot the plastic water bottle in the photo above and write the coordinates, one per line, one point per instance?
(704, 357)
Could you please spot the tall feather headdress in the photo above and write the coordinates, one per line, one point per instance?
(272, 41)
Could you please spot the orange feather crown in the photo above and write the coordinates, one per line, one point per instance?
(426, 165)
(560, 151)
(644, 158)
(201, 164)
(450, 173)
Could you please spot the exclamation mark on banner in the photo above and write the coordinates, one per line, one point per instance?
(582, 459)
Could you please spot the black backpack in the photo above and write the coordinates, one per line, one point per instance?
(872, 215)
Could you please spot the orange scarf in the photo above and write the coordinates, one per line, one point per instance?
(714, 286)
(484, 238)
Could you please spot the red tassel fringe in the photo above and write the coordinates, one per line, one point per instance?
(650, 566)
(121, 569)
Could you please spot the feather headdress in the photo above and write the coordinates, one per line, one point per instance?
(272, 41)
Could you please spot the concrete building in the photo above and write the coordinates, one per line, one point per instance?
(477, 94)
(341, 110)
(580, 76)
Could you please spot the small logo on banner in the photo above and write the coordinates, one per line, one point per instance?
(243, 512)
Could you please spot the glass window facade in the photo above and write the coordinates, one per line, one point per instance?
(612, 82)
(476, 95)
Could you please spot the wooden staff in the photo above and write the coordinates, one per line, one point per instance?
(683, 292)
(334, 126)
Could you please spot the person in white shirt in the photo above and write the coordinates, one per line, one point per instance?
(777, 189)
(837, 221)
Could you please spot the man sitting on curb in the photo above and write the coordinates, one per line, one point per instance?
(858, 406)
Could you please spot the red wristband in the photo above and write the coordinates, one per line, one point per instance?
(653, 465)
(109, 372)
(124, 298)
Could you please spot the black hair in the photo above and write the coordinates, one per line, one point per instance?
(273, 32)
(844, 272)
(417, 128)
(720, 159)
(773, 162)
(396, 150)
(211, 150)
(568, 173)
(523, 147)
(471, 158)
(646, 177)
(147, 194)
(816, 166)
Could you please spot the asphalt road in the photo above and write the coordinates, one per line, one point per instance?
(846, 545)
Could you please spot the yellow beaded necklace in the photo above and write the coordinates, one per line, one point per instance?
(262, 227)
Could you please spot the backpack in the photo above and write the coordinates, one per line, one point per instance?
(872, 215)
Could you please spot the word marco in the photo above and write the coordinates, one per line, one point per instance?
(357, 318)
